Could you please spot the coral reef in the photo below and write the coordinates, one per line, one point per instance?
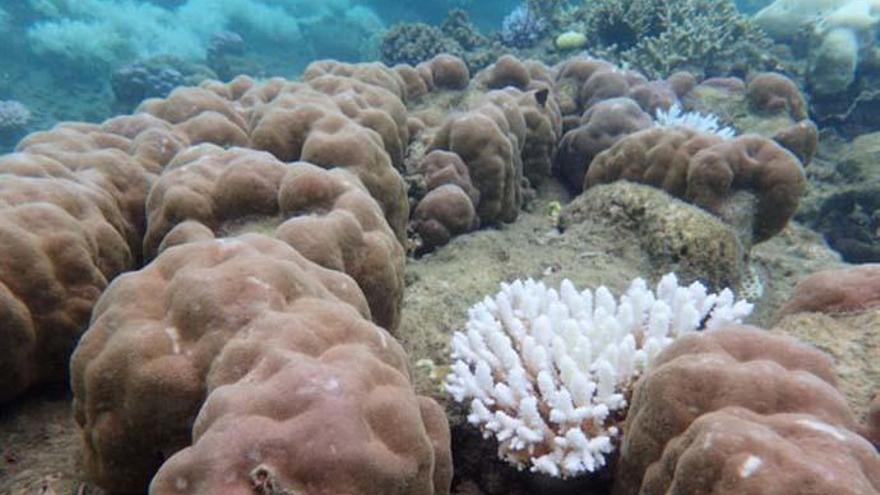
(229, 263)
(548, 372)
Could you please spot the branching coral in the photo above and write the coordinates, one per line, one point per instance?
(523, 26)
(661, 37)
(416, 42)
(548, 373)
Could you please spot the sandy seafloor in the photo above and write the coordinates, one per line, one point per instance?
(41, 451)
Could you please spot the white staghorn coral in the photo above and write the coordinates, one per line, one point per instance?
(676, 117)
(548, 372)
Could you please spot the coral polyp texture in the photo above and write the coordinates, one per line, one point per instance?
(548, 373)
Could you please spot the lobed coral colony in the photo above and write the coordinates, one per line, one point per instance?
(220, 278)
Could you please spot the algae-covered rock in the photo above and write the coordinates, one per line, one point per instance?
(676, 236)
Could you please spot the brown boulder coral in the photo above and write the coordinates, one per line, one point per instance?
(58, 253)
(443, 167)
(873, 428)
(848, 290)
(301, 123)
(506, 71)
(201, 114)
(139, 374)
(101, 160)
(371, 106)
(489, 141)
(543, 122)
(445, 212)
(770, 92)
(749, 181)
(734, 451)
(327, 216)
(801, 138)
(446, 72)
(708, 371)
(599, 128)
(246, 344)
(571, 75)
(449, 207)
(416, 87)
(372, 73)
(71, 218)
(325, 406)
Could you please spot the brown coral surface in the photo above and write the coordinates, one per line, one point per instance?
(737, 366)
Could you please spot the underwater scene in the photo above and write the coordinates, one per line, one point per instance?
(452, 247)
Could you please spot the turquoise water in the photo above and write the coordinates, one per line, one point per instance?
(59, 55)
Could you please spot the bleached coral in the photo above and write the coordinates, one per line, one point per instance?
(708, 123)
(116, 31)
(13, 115)
(548, 372)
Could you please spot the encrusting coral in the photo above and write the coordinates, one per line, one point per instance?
(548, 373)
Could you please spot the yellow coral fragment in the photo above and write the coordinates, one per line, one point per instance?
(571, 40)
